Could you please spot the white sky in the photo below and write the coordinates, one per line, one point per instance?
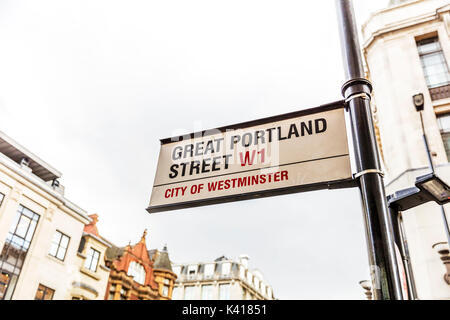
(91, 86)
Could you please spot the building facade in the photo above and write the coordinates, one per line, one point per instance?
(406, 48)
(52, 250)
(134, 275)
(40, 230)
(221, 279)
(93, 274)
(164, 275)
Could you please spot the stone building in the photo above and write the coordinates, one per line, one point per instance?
(406, 48)
(93, 273)
(51, 249)
(221, 279)
(40, 229)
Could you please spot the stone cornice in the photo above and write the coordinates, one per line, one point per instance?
(435, 15)
(399, 26)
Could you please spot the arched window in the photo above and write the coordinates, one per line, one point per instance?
(137, 271)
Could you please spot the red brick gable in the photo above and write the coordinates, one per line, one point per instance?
(139, 254)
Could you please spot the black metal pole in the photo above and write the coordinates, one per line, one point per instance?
(407, 261)
(396, 225)
(425, 141)
(386, 282)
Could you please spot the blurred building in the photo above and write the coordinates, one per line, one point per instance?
(40, 229)
(136, 276)
(93, 273)
(221, 279)
(407, 50)
(164, 275)
(51, 249)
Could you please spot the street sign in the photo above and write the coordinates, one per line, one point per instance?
(294, 152)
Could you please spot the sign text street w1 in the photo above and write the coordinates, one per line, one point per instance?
(299, 151)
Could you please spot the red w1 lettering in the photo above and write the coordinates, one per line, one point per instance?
(246, 159)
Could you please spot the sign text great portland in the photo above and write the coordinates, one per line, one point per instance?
(299, 151)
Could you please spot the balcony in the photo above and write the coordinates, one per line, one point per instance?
(441, 92)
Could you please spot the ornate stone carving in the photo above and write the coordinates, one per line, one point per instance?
(443, 250)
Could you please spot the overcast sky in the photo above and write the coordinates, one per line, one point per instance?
(91, 86)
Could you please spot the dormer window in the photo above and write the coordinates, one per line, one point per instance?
(209, 269)
(249, 277)
(137, 271)
(192, 270)
(256, 283)
(242, 272)
(177, 270)
(226, 268)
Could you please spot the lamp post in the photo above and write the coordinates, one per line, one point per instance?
(379, 232)
(419, 102)
(427, 188)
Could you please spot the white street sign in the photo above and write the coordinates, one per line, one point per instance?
(300, 151)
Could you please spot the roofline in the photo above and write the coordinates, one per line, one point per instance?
(109, 242)
(39, 183)
(403, 24)
(102, 241)
(30, 154)
(388, 8)
(208, 262)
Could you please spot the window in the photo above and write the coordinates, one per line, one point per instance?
(226, 268)
(59, 245)
(44, 293)
(176, 293)
(444, 126)
(123, 294)
(189, 293)
(112, 290)
(209, 269)
(15, 249)
(249, 278)
(165, 291)
(82, 244)
(192, 270)
(256, 283)
(92, 258)
(224, 292)
(177, 270)
(242, 272)
(166, 287)
(433, 62)
(207, 292)
(263, 289)
(137, 271)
